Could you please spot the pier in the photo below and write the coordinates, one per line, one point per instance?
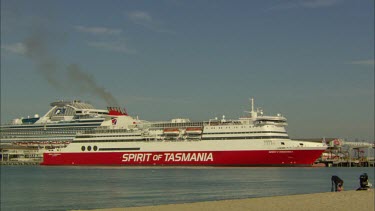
(26, 153)
(20, 155)
(341, 153)
(20, 163)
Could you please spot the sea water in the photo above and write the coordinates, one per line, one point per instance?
(66, 188)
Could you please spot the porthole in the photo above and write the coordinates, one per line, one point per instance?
(83, 148)
(89, 148)
(95, 148)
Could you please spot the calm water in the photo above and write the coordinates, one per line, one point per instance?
(64, 188)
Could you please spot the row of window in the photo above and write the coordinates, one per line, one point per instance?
(189, 124)
(86, 136)
(210, 138)
(132, 135)
(247, 137)
(38, 133)
(117, 149)
(248, 132)
(91, 112)
(46, 130)
(83, 148)
(95, 148)
(235, 127)
(56, 126)
(275, 121)
(100, 131)
(182, 124)
(119, 140)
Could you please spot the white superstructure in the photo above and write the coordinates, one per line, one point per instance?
(253, 140)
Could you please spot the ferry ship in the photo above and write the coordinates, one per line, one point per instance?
(58, 126)
(255, 140)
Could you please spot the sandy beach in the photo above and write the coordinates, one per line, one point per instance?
(346, 200)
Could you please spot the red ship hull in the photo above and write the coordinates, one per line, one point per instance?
(188, 158)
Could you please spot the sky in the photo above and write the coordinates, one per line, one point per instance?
(310, 60)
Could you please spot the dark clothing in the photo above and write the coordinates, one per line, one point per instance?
(363, 182)
(336, 183)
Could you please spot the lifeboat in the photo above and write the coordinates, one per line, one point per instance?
(171, 131)
(194, 130)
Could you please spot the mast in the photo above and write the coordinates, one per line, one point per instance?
(253, 113)
(252, 104)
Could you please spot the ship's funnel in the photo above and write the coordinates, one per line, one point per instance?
(116, 111)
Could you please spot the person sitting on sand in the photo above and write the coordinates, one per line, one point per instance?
(337, 183)
(364, 184)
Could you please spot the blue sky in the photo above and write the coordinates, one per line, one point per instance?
(310, 60)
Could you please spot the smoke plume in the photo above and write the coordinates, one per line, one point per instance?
(86, 83)
(61, 77)
(46, 65)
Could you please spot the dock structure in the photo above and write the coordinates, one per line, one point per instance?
(341, 153)
(26, 153)
(20, 155)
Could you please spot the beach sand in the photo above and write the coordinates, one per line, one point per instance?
(346, 200)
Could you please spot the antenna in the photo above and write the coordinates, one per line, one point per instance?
(252, 104)
(253, 113)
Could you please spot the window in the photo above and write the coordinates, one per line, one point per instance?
(83, 148)
(95, 148)
(89, 148)
(282, 143)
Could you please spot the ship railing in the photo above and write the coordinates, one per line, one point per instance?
(267, 122)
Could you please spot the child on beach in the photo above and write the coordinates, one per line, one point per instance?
(337, 184)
